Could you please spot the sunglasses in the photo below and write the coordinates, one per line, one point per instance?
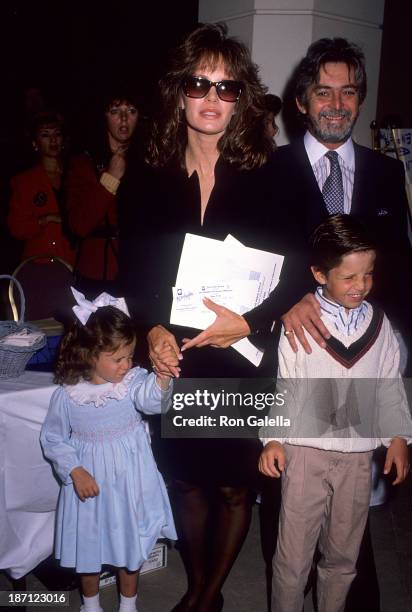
(199, 87)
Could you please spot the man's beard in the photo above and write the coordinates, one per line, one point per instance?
(331, 134)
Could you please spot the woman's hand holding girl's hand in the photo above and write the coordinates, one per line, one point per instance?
(164, 352)
(272, 459)
(84, 483)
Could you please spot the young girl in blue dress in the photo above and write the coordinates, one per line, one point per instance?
(113, 504)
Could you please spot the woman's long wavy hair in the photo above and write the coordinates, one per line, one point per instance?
(106, 330)
(243, 143)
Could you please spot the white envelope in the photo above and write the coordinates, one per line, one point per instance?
(189, 310)
(229, 273)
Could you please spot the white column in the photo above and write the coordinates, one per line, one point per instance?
(278, 33)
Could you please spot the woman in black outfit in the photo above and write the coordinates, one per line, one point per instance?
(207, 175)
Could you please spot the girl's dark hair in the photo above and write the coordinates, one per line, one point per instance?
(339, 235)
(326, 50)
(243, 142)
(106, 330)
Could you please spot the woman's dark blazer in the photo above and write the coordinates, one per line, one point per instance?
(157, 209)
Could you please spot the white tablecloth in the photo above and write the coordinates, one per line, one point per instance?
(28, 489)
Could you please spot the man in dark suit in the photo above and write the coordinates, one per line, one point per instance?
(330, 89)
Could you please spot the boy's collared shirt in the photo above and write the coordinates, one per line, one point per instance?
(345, 323)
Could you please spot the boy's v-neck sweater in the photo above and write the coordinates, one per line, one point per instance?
(370, 352)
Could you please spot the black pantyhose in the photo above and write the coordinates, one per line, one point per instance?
(212, 526)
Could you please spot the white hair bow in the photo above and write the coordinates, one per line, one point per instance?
(84, 307)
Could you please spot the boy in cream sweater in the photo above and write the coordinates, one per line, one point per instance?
(326, 469)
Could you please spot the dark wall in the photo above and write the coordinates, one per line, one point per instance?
(71, 49)
(395, 85)
(70, 46)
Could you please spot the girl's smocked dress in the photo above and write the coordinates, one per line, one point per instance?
(99, 428)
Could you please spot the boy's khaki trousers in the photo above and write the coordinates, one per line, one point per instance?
(325, 501)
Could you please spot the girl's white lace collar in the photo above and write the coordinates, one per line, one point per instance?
(87, 393)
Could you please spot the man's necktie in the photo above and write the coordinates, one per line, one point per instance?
(333, 188)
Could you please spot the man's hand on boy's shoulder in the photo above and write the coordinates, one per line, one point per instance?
(397, 454)
(305, 316)
(272, 459)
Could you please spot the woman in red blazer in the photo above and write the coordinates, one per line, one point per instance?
(91, 185)
(35, 206)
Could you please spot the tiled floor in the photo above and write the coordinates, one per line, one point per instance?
(245, 589)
